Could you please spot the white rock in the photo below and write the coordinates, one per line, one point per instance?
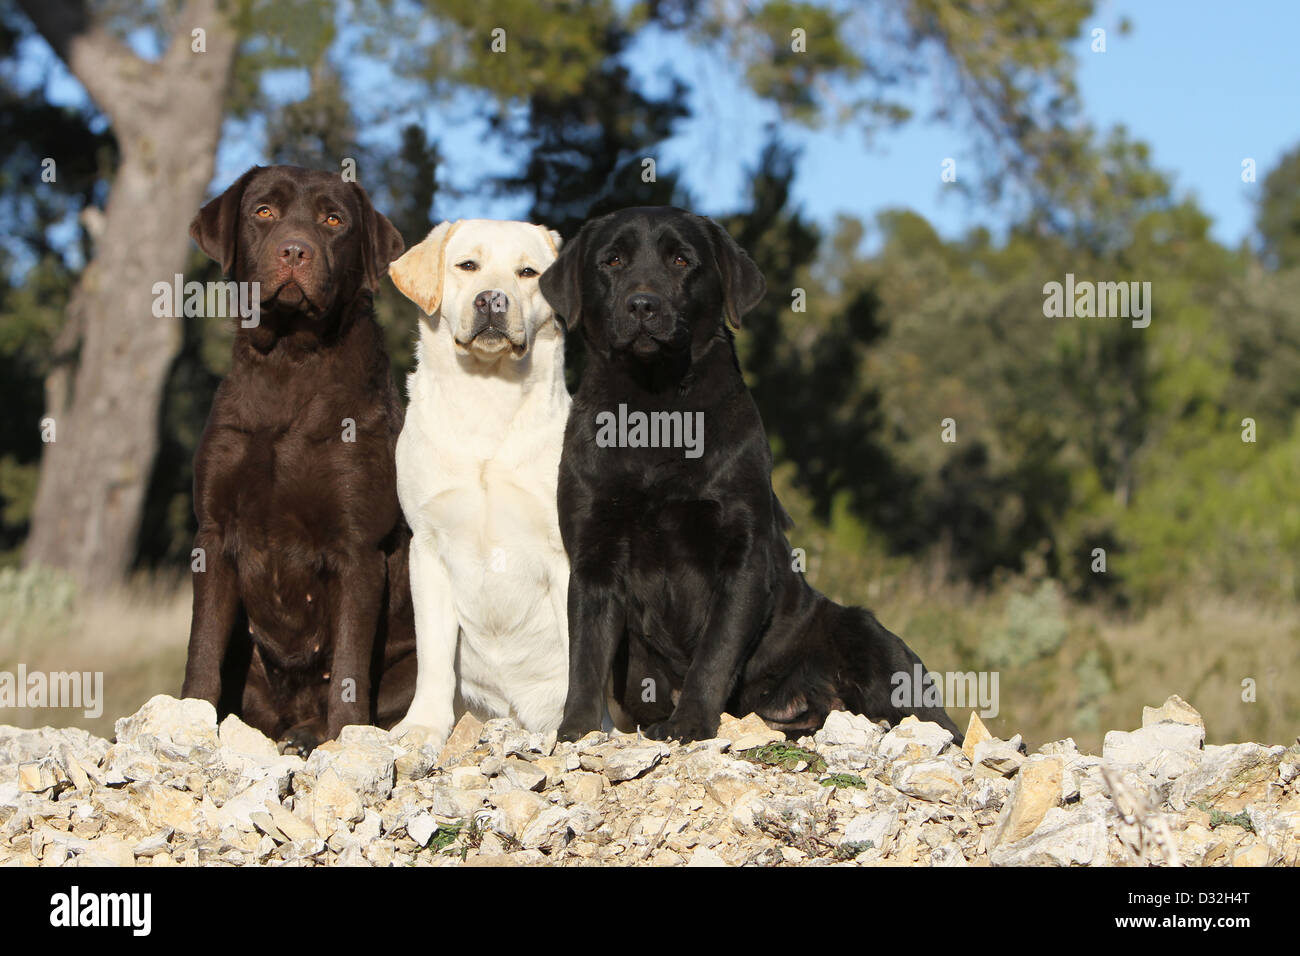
(421, 828)
(914, 740)
(876, 828)
(627, 763)
(235, 735)
(187, 723)
(1140, 747)
(843, 729)
(933, 779)
(1064, 838)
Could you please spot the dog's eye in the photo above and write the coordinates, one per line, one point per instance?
(614, 261)
(333, 219)
(262, 212)
(681, 261)
(469, 265)
(527, 272)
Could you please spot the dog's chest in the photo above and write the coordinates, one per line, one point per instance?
(294, 504)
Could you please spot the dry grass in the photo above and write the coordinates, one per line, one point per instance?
(135, 635)
(1203, 647)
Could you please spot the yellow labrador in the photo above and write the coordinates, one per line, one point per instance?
(477, 466)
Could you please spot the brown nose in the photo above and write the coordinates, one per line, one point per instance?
(295, 252)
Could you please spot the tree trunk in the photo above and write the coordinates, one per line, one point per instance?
(167, 117)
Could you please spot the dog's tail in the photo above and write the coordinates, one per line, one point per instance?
(885, 677)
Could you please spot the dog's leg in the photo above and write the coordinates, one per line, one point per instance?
(216, 606)
(595, 628)
(357, 597)
(736, 615)
(436, 632)
(558, 594)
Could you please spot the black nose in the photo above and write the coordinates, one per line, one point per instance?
(295, 252)
(644, 305)
(491, 301)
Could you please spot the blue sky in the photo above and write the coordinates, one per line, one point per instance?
(1206, 84)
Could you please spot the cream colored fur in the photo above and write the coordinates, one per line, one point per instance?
(477, 466)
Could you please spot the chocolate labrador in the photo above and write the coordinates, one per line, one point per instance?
(302, 612)
(682, 585)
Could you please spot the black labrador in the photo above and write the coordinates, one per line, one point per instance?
(682, 587)
(302, 610)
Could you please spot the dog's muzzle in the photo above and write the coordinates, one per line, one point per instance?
(490, 333)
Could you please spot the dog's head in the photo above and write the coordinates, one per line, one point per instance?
(651, 282)
(311, 240)
(480, 276)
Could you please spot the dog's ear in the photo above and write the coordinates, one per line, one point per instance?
(553, 239)
(381, 243)
(418, 274)
(743, 285)
(561, 284)
(215, 228)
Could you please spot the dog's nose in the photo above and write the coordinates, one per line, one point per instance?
(295, 252)
(644, 305)
(490, 302)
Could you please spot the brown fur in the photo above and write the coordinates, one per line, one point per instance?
(306, 584)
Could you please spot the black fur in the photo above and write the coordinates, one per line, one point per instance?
(681, 573)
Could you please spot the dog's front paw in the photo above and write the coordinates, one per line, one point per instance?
(301, 740)
(571, 731)
(684, 731)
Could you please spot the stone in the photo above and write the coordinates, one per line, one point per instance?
(467, 778)
(1254, 855)
(703, 856)
(464, 738)
(914, 740)
(168, 808)
(583, 787)
(747, 732)
(933, 779)
(519, 808)
(364, 762)
(415, 764)
(36, 777)
(1063, 838)
(295, 829)
(1174, 710)
(550, 828)
(523, 774)
(189, 723)
(1038, 790)
(1141, 747)
(1228, 777)
(235, 735)
(334, 801)
(875, 828)
(728, 784)
(842, 729)
(421, 828)
(628, 763)
(976, 732)
(1000, 756)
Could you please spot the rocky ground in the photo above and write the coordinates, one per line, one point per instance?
(176, 789)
